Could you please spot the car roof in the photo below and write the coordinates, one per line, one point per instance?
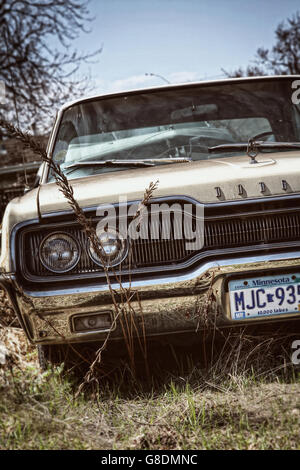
(176, 85)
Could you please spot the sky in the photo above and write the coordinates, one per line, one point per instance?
(181, 40)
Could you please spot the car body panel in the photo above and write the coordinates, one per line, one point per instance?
(197, 180)
(163, 304)
(173, 305)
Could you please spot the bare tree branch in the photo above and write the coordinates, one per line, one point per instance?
(282, 59)
(38, 75)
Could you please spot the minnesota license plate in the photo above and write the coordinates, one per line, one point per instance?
(265, 296)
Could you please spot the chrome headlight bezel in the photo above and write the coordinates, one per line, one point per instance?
(122, 253)
(65, 235)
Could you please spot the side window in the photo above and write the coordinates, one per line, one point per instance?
(296, 116)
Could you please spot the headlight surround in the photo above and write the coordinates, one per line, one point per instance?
(59, 252)
(114, 249)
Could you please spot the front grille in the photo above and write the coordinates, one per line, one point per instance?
(142, 253)
(253, 230)
(221, 235)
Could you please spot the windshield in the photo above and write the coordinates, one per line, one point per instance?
(174, 122)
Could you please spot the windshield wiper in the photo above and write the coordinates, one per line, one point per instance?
(128, 163)
(252, 147)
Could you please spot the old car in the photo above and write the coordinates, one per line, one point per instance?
(221, 242)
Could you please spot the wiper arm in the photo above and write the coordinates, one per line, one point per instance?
(129, 163)
(252, 147)
(258, 144)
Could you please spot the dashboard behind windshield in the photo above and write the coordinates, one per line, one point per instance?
(175, 122)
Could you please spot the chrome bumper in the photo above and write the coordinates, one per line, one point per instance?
(160, 306)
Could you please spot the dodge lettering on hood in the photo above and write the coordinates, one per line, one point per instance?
(216, 246)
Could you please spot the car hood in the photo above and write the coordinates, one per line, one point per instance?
(207, 181)
(197, 180)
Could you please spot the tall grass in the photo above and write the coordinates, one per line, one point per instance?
(247, 398)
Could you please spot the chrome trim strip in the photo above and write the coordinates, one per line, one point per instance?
(32, 223)
(171, 86)
(171, 279)
(196, 257)
(50, 146)
(191, 200)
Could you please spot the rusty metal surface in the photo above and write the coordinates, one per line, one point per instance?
(164, 306)
(171, 311)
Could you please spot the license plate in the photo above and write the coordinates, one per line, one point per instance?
(265, 296)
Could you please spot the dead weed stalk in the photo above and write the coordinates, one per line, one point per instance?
(123, 310)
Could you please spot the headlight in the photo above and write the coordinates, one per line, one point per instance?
(113, 247)
(59, 252)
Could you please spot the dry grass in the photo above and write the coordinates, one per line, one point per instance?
(243, 395)
(7, 315)
(123, 310)
(247, 398)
